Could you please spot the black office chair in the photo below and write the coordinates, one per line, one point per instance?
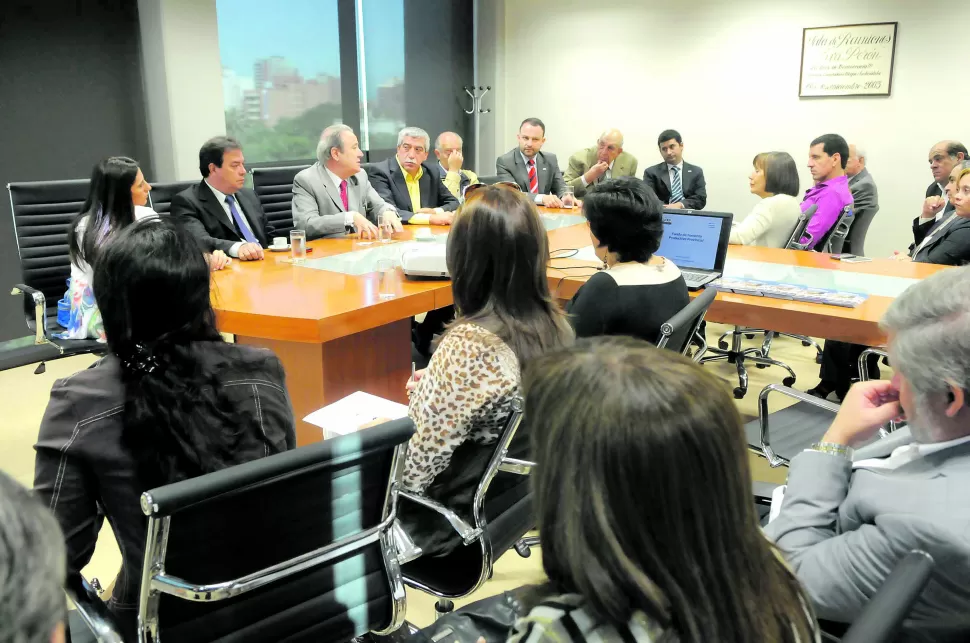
(780, 436)
(160, 198)
(291, 547)
(42, 213)
(859, 227)
(678, 331)
(274, 188)
(761, 356)
(882, 618)
(500, 521)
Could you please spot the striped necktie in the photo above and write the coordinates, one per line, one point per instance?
(533, 177)
(676, 187)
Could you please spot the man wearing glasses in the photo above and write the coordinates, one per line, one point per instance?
(606, 160)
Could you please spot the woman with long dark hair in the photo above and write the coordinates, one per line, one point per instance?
(117, 197)
(644, 506)
(497, 254)
(169, 402)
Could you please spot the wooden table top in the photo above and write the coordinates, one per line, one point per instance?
(275, 300)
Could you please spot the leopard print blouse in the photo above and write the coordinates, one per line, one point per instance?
(466, 394)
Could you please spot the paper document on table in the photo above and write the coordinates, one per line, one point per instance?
(353, 413)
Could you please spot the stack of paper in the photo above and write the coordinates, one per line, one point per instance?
(356, 411)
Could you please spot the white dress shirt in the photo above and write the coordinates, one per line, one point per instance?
(908, 453)
(221, 198)
(606, 175)
(538, 197)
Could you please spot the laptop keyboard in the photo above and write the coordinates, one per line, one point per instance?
(696, 277)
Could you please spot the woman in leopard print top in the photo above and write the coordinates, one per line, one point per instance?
(497, 255)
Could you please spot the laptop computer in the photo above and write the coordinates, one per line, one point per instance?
(696, 241)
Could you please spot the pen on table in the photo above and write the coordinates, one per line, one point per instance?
(412, 371)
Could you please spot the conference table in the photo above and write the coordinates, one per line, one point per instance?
(335, 334)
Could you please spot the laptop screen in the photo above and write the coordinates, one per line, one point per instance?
(692, 240)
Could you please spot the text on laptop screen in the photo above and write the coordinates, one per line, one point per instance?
(690, 241)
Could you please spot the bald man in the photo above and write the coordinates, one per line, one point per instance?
(943, 157)
(606, 160)
(448, 149)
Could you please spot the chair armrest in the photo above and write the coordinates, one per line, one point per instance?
(468, 533)
(513, 465)
(884, 613)
(40, 311)
(763, 414)
(92, 610)
(762, 491)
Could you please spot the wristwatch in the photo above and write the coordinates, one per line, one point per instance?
(832, 448)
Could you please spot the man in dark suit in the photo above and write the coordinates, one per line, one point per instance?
(676, 184)
(865, 196)
(219, 211)
(943, 157)
(536, 172)
(411, 185)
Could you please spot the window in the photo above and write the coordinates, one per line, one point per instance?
(380, 72)
(280, 75)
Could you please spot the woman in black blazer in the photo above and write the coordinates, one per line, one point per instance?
(170, 401)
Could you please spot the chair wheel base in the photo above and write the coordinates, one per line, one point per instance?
(522, 550)
(739, 393)
(761, 366)
(41, 368)
(749, 336)
(806, 344)
(788, 381)
(818, 359)
(723, 345)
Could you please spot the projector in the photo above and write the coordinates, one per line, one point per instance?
(425, 261)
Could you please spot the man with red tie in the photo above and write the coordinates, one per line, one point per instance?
(536, 172)
(334, 196)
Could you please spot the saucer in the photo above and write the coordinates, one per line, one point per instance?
(285, 248)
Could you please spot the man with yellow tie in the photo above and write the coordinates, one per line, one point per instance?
(411, 185)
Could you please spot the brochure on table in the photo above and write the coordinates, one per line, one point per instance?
(354, 412)
(793, 292)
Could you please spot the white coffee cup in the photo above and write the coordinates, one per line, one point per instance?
(280, 242)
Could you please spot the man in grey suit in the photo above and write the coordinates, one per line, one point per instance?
(845, 522)
(865, 196)
(536, 172)
(334, 196)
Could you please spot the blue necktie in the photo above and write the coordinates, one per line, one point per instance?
(676, 187)
(238, 218)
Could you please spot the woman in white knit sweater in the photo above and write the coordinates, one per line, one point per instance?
(770, 224)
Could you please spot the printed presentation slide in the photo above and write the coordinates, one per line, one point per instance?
(690, 241)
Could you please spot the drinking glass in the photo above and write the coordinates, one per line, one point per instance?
(385, 230)
(298, 245)
(569, 197)
(388, 278)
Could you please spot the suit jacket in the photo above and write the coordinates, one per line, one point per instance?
(843, 530)
(317, 207)
(865, 198)
(921, 229)
(388, 179)
(200, 211)
(82, 463)
(948, 246)
(692, 182)
(511, 167)
(580, 162)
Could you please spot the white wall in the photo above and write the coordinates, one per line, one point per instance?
(183, 83)
(725, 74)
